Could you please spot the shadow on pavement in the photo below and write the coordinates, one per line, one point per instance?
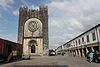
(41, 66)
(2, 63)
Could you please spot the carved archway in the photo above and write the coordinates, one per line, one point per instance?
(32, 46)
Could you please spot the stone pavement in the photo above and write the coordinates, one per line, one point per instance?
(52, 61)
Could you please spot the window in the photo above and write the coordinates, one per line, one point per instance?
(79, 41)
(99, 33)
(76, 42)
(88, 38)
(82, 39)
(93, 36)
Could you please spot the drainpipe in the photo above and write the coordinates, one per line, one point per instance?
(98, 39)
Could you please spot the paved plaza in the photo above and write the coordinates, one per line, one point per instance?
(52, 61)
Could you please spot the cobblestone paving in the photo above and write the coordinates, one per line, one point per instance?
(52, 61)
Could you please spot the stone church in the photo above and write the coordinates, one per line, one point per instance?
(33, 31)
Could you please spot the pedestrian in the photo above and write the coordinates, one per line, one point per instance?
(91, 56)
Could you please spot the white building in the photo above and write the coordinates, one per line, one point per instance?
(84, 43)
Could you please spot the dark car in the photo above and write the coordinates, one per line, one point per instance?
(97, 58)
(52, 52)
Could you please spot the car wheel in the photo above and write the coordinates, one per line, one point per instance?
(96, 60)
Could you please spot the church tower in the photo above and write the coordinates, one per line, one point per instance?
(33, 31)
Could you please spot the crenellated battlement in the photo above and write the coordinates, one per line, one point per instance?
(25, 8)
(37, 13)
(41, 8)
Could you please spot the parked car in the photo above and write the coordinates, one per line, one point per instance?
(52, 53)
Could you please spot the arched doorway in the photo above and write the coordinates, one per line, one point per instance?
(33, 49)
(32, 46)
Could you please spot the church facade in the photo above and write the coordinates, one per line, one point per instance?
(33, 31)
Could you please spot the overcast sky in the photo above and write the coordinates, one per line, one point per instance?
(67, 18)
